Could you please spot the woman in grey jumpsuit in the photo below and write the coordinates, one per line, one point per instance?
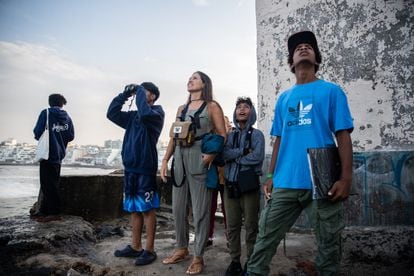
(191, 169)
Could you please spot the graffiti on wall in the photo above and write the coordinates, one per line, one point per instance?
(383, 189)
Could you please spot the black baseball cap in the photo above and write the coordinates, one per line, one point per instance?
(304, 37)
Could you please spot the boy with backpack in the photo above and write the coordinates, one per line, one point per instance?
(243, 154)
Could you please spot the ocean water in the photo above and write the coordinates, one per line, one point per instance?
(19, 186)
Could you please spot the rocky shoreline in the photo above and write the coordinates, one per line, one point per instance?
(74, 246)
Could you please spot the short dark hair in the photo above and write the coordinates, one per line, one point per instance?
(152, 88)
(245, 100)
(56, 100)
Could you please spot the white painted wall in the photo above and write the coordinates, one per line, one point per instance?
(367, 48)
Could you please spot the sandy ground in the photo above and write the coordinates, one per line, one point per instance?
(299, 247)
(75, 247)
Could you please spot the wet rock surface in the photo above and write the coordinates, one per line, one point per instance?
(23, 240)
(379, 250)
(73, 246)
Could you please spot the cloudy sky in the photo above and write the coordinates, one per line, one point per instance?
(89, 50)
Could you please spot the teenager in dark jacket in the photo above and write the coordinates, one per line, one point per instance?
(61, 132)
(139, 156)
(244, 151)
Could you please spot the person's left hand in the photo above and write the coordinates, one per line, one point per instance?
(267, 188)
(129, 90)
(208, 159)
(340, 190)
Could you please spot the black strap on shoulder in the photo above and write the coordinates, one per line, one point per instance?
(235, 138)
(248, 138)
(183, 112)
(196, 118)
(236, 143)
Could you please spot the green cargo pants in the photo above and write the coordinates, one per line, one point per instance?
(246, 206)
(280, 214)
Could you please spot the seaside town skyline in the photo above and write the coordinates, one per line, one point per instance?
(13, 152)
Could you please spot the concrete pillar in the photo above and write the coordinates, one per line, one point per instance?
(367, 48)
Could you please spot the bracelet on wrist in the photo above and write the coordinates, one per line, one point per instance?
(269, 175)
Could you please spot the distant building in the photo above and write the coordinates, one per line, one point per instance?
(10, 142)
(113, 144)
(11, 152)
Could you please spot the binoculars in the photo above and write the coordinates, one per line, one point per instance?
(130, 88)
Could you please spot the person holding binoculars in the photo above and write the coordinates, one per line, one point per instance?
(139, 156)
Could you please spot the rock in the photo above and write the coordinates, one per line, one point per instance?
(72, 272)
(74, 246)
(379, 249)
(22, 237)
(106, 231)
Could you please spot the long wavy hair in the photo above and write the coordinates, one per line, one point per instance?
(207, 93)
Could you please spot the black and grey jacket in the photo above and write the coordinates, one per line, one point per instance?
(235, 156)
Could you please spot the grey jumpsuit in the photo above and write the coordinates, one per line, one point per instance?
(193, 189)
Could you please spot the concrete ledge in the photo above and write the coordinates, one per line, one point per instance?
(382, 192)
(94, 197)
(99, 197)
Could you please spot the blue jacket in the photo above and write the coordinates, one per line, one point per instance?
(212, 143)
(143, 128)
(61, 132)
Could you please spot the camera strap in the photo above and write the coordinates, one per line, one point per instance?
(178, 185)
(132, 101)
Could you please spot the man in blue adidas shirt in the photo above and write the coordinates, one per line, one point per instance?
(139, 156)
(311, 114)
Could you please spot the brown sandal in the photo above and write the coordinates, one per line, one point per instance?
(196, 266)
(179, 255)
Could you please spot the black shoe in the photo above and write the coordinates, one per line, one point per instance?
(128, 251)
(209, 243)
(234, 269)
(146, 257)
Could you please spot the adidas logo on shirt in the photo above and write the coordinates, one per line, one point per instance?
(299, 114)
